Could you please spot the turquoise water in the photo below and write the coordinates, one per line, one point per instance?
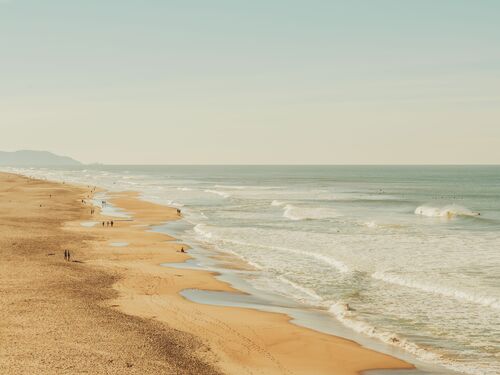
(407, 255)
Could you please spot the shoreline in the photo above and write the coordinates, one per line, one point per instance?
(233, 335)
(227, 268)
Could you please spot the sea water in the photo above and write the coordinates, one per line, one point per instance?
(408, 255)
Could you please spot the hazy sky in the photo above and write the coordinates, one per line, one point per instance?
(260, 81)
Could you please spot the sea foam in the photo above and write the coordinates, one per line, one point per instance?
(217, 192)
(308, 213)
(449, 211)
(440, 290)
(345, 315)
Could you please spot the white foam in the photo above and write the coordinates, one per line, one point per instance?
(208, 237)
(440, 290)
(303, 290)
(344, 314)
(243, 187)
(200, 230)
(448, 212)
(230, 187)
(370, 224)
(217, 192)
(205, 235)
(277, 203)
(338, 265)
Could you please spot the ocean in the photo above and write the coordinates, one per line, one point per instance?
(407, 255)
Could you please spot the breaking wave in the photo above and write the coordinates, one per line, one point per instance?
(440, 290)
(217, 192)
(344, 314)
(306, 213)
(304, 291)
(277, 203)
(447, 212)
(204, 234)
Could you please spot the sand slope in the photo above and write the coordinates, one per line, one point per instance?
(52, 319)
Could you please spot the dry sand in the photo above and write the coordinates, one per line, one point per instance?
(116, 310)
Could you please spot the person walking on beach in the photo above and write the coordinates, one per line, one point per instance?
(69, 256)
(65, 254)
(103, 223)
(112, 223)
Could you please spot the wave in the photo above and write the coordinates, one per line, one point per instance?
(340, 266)
(206, 235)
(277, 203)
(236, 187)
(305, 291)
(305, 213)
(440, 290)
(242, 187)
(347, 316)
(370, 224)
(448, 212)
(198, 228)
(184, 189)
(343, 313)
(217, 192)
(337, 264)
(375, 225)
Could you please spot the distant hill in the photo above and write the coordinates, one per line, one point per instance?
(28, 158)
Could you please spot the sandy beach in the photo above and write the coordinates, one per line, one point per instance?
(115, 309)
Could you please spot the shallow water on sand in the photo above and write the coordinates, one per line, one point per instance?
(406, 255)
(119, 244)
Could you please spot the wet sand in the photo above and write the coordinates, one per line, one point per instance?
(119, 309)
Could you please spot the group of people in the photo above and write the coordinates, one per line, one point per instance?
(67, 255)
(108, 223)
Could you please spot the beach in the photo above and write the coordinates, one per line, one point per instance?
(114, 309)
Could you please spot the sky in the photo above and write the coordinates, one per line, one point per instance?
(252, 82)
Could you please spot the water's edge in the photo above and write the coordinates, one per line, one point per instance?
(301, 315)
